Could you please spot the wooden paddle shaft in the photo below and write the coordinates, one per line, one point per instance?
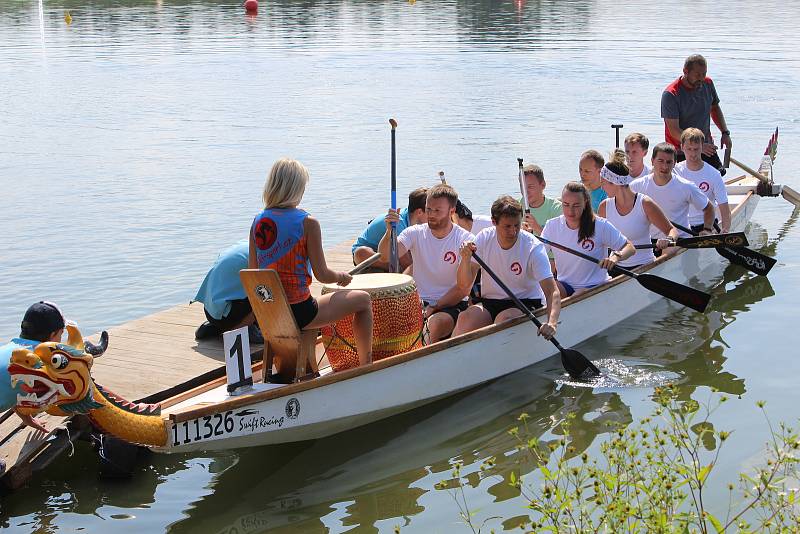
(749, 170)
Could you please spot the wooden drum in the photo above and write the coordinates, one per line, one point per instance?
(396, 319)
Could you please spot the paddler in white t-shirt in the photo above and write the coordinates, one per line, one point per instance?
(578, 228)
(519, 260)
(673, 194)
(705, 177)
(471, 223)
(632, 213)
(636, 145)
(434, 247)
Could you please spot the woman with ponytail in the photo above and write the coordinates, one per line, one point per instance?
(632, 213)
(578, 228)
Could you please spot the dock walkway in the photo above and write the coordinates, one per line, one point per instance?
(148, 359)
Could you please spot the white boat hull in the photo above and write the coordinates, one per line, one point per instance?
(336, 406)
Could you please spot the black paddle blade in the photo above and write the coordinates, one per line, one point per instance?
(688, 296)
(577, 365)
(736, 239)
(749, 259)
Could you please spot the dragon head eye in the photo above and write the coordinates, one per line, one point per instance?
(59, 361)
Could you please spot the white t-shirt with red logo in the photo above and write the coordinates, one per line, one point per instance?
(674, 199)
(709, 181)
(435, 260)
(479, 222)
(646, 169)
(521, 267)
(576, 271)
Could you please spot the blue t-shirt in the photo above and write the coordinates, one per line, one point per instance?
(597, 196)
(222, 284)
(372, 234)
(8, 395)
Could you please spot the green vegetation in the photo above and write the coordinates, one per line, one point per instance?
(649, 477)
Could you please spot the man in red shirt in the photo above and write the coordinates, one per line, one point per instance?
(691, 101)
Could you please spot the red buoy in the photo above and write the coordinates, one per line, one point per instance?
(251, 6)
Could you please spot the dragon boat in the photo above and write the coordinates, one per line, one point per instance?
(56, 377)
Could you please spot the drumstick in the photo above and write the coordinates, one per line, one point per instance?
(365, 264)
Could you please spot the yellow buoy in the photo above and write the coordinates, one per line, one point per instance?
(67, 17)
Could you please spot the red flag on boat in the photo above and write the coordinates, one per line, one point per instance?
(772, 146)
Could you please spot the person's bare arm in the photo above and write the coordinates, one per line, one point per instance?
(725, 215)
(453, 296)
(383, 246)
(673, 127)
(252, 259)
(708, 219)
(719, 119)
(316, 255)
(553, 297)
(467, 271)
(30, 421)
(531, 224)
(601, 209)
(657, 218)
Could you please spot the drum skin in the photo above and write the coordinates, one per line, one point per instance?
(396, 325)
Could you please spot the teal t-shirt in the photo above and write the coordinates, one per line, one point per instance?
(222, 284)
(8, 395)
(550, 209)
(372, 234)
(598, 195)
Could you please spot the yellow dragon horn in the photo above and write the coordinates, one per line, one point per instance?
(74, 339)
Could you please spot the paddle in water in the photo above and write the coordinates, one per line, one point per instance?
(394, 260)
(575, 363)
(749, 259)
(688, 296)
(736, 239)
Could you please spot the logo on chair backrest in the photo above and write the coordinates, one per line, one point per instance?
(516, 268)
(704, 187)
(587, 244)
(264, 293)
(450, 257)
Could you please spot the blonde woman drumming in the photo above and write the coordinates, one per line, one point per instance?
(285, 238)
(632, 213)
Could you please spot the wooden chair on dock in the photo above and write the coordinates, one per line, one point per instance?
(291, 349)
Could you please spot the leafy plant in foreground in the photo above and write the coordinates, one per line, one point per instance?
(650, 477)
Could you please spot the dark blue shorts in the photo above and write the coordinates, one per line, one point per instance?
(570, 290)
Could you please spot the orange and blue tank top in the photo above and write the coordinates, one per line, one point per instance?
(280, 244)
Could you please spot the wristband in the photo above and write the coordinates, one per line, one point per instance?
(726, 132)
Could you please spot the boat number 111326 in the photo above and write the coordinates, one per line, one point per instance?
(202, 428)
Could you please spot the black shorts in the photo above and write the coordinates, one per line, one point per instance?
(305, 312)
(239, 310)
(697, 228)
(453, 311)
(495, 306)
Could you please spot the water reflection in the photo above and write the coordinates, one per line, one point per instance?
(382, 471)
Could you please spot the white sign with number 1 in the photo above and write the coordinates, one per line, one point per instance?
(238, 366)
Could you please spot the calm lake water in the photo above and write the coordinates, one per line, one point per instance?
(135, 142)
